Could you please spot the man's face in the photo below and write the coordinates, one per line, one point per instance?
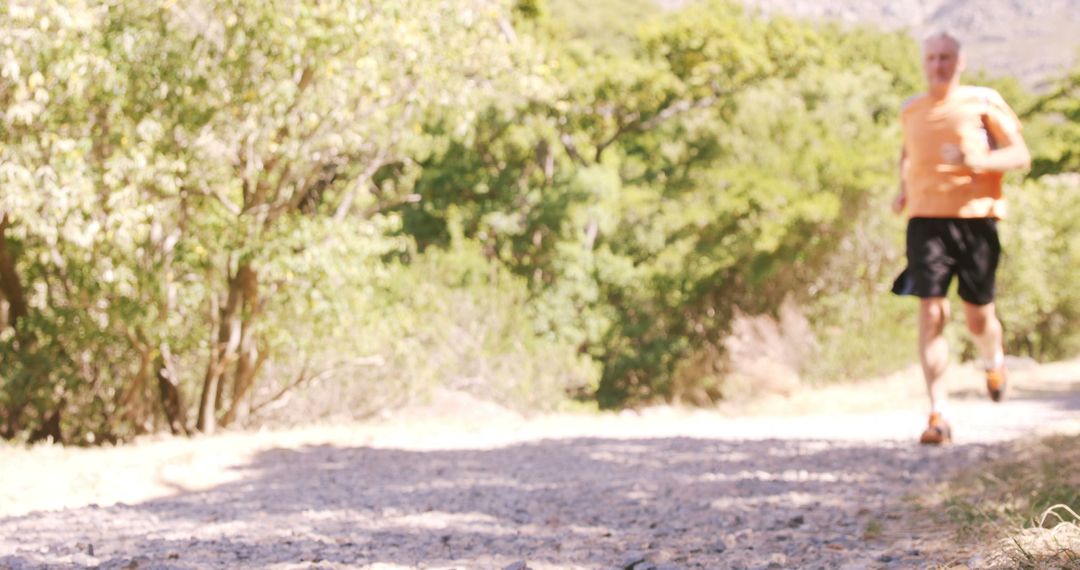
(942, 62)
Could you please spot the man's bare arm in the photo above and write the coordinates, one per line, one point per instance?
(1011, 154)
(901, 198)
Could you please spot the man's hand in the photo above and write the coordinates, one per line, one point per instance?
(899, 202)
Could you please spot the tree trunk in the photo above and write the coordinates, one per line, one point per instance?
(205, 422)
(50, 428)
(133, 400)
(223, 350)
(592, 230)
(10, 284)
(16, 308)
(172, 400)
(249, 358)
(221, 319)
(247, 369)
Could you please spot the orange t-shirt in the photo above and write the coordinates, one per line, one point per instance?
(970, 118)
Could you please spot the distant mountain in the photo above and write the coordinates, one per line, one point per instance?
(1034, 40)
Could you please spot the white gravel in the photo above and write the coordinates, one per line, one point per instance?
(664, 488)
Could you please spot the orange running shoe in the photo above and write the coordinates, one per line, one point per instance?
(937, 431)
(995, 383)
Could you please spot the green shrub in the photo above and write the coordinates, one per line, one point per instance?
(1038, 297)
(451, 319)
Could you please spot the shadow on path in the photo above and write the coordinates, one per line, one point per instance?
(585, 502)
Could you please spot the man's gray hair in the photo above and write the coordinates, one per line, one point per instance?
(944, 34)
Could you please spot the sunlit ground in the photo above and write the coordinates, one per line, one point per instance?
(445, 486)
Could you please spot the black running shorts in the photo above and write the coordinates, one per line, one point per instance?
(938, 248)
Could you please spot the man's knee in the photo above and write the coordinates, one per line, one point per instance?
(934, 312)
(979, 317)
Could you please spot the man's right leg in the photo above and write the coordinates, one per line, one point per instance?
(932, 264)
(933, 348)
(934, 355)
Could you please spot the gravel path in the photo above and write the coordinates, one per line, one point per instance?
(664, 488)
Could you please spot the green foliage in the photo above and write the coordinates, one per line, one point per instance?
(893, 52)
(708, 168)
(1056, 120)
(472, 322)
(170, 170)
(452, 319)
(1039, 303)
(861, 335)
(607, 26)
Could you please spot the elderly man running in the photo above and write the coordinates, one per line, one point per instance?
(958, 143)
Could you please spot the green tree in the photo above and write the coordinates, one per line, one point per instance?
(1056, 118)
(707, 167)
(179, 179)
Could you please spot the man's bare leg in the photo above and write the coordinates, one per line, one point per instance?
(933, 348)
(985, 329)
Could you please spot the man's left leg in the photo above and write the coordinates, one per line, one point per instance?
(981, 251)
(986, 331)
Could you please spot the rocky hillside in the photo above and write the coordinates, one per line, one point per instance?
(1035, 41)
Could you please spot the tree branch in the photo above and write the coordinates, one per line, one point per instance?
(350, 194)
(303, 378)
(676, 109)
(571, 148)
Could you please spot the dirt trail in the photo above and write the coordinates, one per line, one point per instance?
(787, 482)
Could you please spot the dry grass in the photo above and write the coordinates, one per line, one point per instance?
(1019, 512)
(1043, 546)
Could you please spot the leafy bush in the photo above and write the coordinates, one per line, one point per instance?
(451, 319)
(1038, 298)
